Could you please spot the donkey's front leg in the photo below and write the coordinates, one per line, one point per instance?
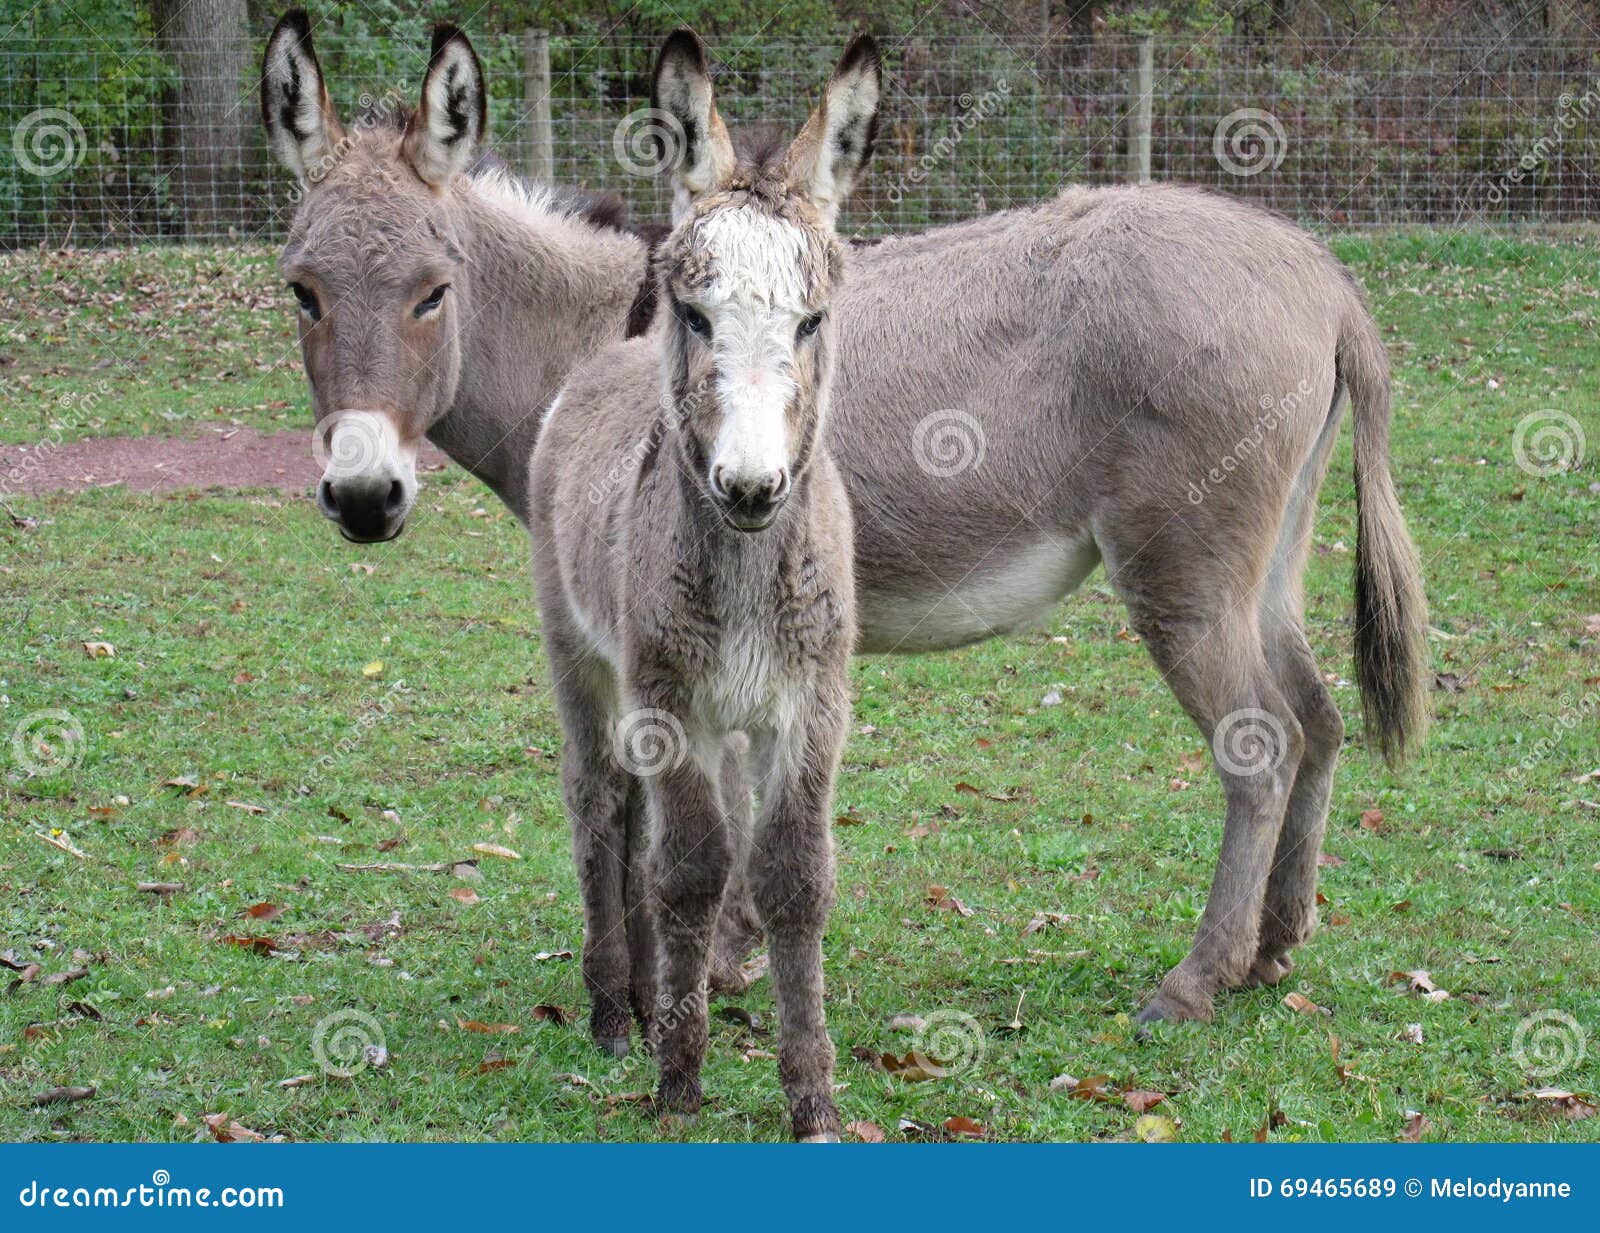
(689, 862)
(792, 877)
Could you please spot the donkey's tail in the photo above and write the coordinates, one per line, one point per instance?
(1391, 610)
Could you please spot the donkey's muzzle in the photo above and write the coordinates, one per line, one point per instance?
(750, 504)
(369, 478)
(367, 509)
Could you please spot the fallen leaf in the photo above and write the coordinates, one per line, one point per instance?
(1411, 1034)
(62, 1096)
(373, 670)
(226, 1130)
(1417, 981)
(1096, 1088)
(297, 1081)
(867, 1132)
(846, 819)
(464, 894)
(1416, 1126)
(546, 1012)
(256, 945)
(159, 888)
(1302, 1005)
(1327, 860)
(487, 1029)
(1570, 1105)
(1275, 1118)
(494, 1061)
(964, 1127)
(1141, 1101)
(1372, 819)
(1153, 1129)
(263, 911)
(65, 978)
(1003, 797)
(99, 650)
(907, 1023)
(58, 840)
(545, 956)
(494, 849)
(941, 899)
(914, 1067)
(252, 810)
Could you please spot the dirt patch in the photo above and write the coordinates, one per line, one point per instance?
(236, 458)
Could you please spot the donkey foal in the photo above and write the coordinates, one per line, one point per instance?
(709, 593)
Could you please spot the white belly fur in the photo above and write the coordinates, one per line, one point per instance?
(1010, 594)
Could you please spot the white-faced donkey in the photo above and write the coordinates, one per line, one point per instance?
(693, 548)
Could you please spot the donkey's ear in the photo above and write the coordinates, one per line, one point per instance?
(299, 118)
(836, 144)
(454, 113)
(692, 140)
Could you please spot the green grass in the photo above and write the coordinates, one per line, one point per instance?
(242, 628)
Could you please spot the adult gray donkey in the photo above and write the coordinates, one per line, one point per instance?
(1149, 378)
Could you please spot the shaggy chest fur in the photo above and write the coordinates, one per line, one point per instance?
(741, 630)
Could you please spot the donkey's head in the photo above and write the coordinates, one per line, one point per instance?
(376, 266)
(748, 272)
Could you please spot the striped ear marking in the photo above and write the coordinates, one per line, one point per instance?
(302, 127)
(453, 116)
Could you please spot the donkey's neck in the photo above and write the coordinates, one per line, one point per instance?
(547, 290)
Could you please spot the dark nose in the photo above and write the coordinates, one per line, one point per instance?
(751, 492)
(366, 507)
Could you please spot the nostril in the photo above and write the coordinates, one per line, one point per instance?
(326, 501)
(779, 485)
(719, 489)
(396, 498)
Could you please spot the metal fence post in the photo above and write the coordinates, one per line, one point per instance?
(536, 100)
(1142, 114)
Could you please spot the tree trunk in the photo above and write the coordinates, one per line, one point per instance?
(207, 43)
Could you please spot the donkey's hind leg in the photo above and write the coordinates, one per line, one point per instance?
(738, 927)
(1198, 620)
(596, 790)
(1289, 913)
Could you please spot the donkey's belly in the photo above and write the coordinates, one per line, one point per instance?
(955, 602)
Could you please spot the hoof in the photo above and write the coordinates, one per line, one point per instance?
(1168, 1008)
(612, 1046)
(825, 1137)
(1268, 970)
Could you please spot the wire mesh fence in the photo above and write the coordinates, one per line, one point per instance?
(120, 140)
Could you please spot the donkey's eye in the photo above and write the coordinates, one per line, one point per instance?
(433, 300)
(308, 300)
(695, 320)
(808, 327)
